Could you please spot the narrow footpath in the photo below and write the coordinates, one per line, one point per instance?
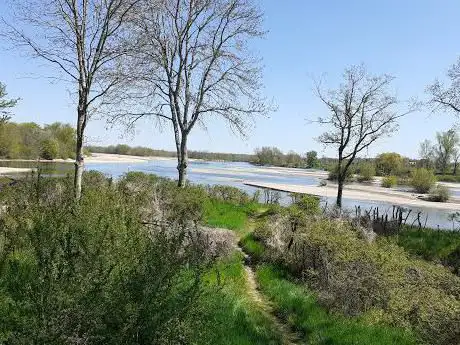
(288, 336)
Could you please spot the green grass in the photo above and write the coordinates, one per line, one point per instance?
(252, 247)
(220, 214)
(300, 308)
(431, 244)
(228, 315)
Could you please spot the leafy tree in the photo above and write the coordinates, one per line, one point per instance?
(269, 156)
(49, 149)
(445, 149)
(312, 160)
(389, 163)
(5, 104)
(361, 111)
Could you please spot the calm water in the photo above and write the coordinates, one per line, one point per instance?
(234, 174)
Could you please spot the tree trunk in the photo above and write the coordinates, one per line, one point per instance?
(79, 160)
(455, 167)
(339, 191)
(340, 179)
(182, 160)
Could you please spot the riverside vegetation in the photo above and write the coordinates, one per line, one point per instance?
(137, 261)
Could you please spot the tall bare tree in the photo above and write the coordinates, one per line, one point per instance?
(80, 38)
(361, 111)
(446, 96)
(193, 63)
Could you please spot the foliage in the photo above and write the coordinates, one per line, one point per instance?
(92, 272)
(422, 180)
(311, 160)
(27, 141)
(366, 172)
(389, 163)
(448, 178)
(445, 148)
(307, 204)
(228, 194)
(389, 181)
(146, 151)
(377, 281)
(5, 104)
(334, 173)
(300, 307)
(439, 193)
(49, 149)
(433, 245)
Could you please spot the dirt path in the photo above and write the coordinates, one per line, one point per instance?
(288, 337)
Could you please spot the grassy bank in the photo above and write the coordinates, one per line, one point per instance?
(433, 245)
(300, 308)
(227, 314)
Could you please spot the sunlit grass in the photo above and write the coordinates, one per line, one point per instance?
(228, 314)
(298, 306)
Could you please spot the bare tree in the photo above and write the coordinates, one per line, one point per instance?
(361, 111)
(79, 38)
(447, 96)
(193, 63)
(427, 153)
(5, 104)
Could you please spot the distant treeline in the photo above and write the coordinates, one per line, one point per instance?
(145, 151)
(274, 156)
(263, 156)
(32, 141)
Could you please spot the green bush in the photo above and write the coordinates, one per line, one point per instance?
(366, 172)
(91, 272)
(389, 181)
(300, 308)
(448, 178)
(228, 194)
(377, 281)
(49, 149)
(422, 180)
(439, 193)
(334, 173)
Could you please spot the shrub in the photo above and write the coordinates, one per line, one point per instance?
(228, 194)
(49, 149)
(334, 173)
(422, 180)
(377, 281)
(90, 272)
(366, 172)
(389, 181)
(439, 193)
(448, 178)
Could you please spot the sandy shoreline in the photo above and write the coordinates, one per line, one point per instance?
(391, 197)
(114, 158)
(7, 171)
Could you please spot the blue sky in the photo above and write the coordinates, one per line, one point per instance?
(414, 40)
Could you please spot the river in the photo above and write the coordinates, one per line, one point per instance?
(235, 173)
